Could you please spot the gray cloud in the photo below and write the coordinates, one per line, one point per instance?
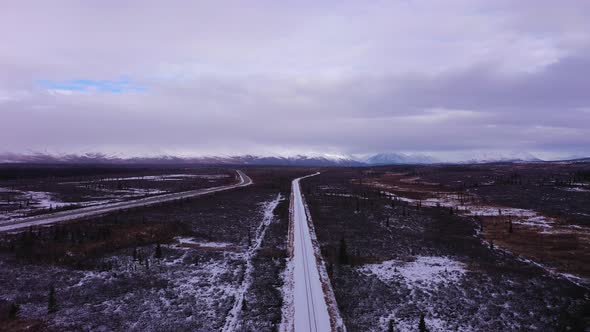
(292, 77)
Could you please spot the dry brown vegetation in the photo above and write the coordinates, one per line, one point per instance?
(565, 246)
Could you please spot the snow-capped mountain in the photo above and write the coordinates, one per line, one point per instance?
(389, 158)
(392, 158)
(298, 160)
(98, 158)
(491, 157)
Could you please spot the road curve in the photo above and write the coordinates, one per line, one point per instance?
(311, 310)
(51, 218)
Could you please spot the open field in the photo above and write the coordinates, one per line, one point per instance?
(35, 190)
(468, 247)
(539, 211)
(406, 241)
(179, 266)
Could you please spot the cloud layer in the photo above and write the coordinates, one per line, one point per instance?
(211, 77)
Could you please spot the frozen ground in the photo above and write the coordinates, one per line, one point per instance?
(30, 202)
(472, 207)
(232, 322)
(425, 272)
(164, 177)
(189, 242)
(191, 290)
(405, 261)
(89, 211)
(26, 197)
(221, 260)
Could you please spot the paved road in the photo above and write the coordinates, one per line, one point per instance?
(106, 208)
(311, 311)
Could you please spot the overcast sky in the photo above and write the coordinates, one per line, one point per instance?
(345, 77)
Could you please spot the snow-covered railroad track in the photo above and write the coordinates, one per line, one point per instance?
(310, 308)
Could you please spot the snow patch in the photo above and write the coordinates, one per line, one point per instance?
(164, 177)
(467, 207)
(206, 244)
(424, 272)
(576, 189)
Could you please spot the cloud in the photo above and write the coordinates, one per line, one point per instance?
(13, 95)
(207, 77)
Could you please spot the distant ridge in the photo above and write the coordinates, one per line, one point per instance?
(389, 158)
(393, 158)
(99, 158)
(580, 160)
(512, 157)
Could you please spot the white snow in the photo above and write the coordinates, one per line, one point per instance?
(43, 199)
(470, 207)
(575, 189)
(206, 244)
(411, 325)
(32, 201)
(287, 310)
(36, 199)
(425, 272)
(132, 192)
(164, 177)
(346, 195)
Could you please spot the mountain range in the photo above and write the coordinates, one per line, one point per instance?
(389, 158)
(392, 158)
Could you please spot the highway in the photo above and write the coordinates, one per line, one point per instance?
(91, 211)
(311, 310)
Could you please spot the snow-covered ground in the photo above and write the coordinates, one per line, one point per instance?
(186, 290)
(471, 207)
(23, 203)
(32, 201)
(232, 322)
(45, 219)
(164, 177)
(183, 241)
(576, 189)
(426, 274)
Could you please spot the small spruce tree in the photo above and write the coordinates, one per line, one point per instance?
(13, 311)
(244, 305)
(391, 326)
(52, 302)
(343, 255)
(422, 326)
(330, 269)
(158, 253)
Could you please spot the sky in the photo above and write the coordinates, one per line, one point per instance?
(191, 78)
